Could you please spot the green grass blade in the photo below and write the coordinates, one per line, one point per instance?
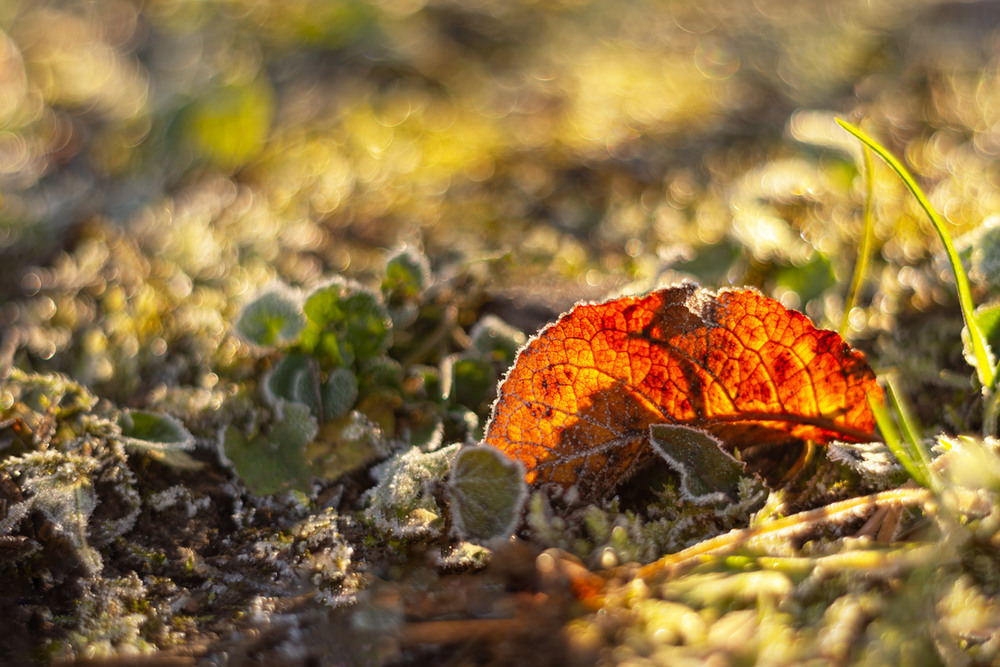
(911, 434)
(865, 250)
(985, 370)
(895, 444)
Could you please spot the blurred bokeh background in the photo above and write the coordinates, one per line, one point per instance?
(162, 159)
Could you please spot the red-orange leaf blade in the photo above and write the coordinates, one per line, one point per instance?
(577, 405)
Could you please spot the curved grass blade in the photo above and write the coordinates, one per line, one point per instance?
(865, 250)
(984, 368)
(899, 449)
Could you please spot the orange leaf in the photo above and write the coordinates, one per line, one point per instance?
(577, 405)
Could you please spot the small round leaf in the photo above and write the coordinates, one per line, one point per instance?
(273, 319)
(295, 378)
(157, 429)
(340, 391)
(487, 491)
(346, 323)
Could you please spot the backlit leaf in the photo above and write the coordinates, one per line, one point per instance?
(346, 323)
(274, 318)
(407, 274)
(577, 406)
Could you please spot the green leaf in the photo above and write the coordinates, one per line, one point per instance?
(295, 378)
(381, 371)
(496, 339)
(339, 393)
(899, 448)
(161, 437)
(347, 445)
(473, 380)
(407, 274)
(273, 319)
(276, 462)
(155, 428)
(403, 503)
(345, 324)
(708, 474)
(988, 321)
(487, 492)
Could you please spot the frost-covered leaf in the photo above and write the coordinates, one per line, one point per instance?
(346, 323)
(407, 273)
(472, 380)
(43, 392)
(160, 437)
(275, 462)
(972, 463)
(59, 485)
(273, 319)
(987, 318)
(295, 378)
(347, 444)
(576, 407)
(339, 392)
(980, 252)
(151, 427)
(874, 461)
(708, 473)
(496, 339)
(402, 503)
(487, 491)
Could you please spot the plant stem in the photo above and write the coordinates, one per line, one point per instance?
(786, 527)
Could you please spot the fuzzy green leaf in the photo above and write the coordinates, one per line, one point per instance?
(157, 428)
(295, 378)
(708, 473)
(403, 503)
(276, 462)
(339, 393)
(496, 339)
(346, 323)
(487, 491)
(161, 437)
(473, 380)
(407, 274)
(273, 319)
